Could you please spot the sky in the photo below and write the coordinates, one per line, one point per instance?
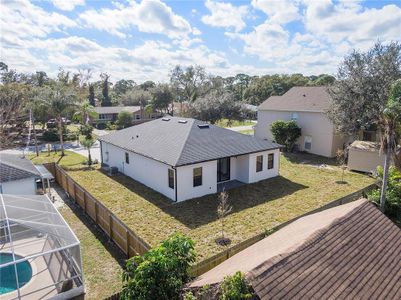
(144, 40)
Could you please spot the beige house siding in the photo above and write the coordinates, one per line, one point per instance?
(313, 124)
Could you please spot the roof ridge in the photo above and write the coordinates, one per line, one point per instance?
(186, 139)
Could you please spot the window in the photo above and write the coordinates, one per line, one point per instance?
(127, 158)
(294, 116)
(308, 142)
(101, 116)
(137, 117)
(259, 163)
(197, 176)
(368, 136)
(171, 178)
(107, 156)
(270, 161)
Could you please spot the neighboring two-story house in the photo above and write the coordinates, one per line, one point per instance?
(184, 158)
(307, 106)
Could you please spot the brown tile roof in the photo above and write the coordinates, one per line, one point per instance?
(310, 99)
(357, 257)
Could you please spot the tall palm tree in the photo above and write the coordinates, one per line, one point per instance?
(85, 112)
(60, 97)
(391, 120)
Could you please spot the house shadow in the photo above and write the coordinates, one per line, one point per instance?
(196, 212)
(309, 159)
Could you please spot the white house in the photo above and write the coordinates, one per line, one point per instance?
(185, 158)
(17, 175)
(308, 107)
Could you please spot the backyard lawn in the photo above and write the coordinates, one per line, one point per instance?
(301, 187)
(233, 123)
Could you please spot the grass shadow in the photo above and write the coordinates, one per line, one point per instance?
(309, 159)
(200, 211)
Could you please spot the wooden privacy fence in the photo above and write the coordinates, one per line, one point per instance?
(217, 259)
(127, 240)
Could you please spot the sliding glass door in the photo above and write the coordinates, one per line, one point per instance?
(223, 169)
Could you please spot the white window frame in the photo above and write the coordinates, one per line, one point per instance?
(308, 140)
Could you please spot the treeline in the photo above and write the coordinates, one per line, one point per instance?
(190, 91)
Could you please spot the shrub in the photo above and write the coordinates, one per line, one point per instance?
(124, 119)
(286, 133)
(235, 288)
(392, 206)
(161, 272)
(86, 130)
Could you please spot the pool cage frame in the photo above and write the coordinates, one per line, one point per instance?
(32, 230)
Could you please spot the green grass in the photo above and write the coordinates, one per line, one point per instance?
(69, 160)
(233, 123)
(301, 187)
(100, 260)
(247, 131)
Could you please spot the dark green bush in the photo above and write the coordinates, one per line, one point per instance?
(161, 272)
(235, 287)
(286, 133)
(392, 206)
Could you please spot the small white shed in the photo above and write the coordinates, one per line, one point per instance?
(364, 156)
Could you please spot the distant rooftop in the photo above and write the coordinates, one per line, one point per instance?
(182, 141)
(308, 99)
(116, 109)
(14, 167)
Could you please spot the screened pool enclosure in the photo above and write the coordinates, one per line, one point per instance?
(40, 255)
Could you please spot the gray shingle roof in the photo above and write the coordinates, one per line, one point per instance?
(357, 257)
(116, 109)
(14, 167)
(178, 144)
(301, 98)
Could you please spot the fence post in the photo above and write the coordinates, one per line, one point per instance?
(127, 238)
(84, 197)
(110, 229)
(96, 212)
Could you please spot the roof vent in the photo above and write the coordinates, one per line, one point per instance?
(304, 95)
(166, 119)
(183, 121)
(203, 126)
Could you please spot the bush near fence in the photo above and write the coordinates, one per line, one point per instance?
(131, 244)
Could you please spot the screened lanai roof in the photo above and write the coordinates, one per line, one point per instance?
(32, 215)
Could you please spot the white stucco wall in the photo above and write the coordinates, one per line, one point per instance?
(147, 171)
(186, 190)
(313, 124)
(25, 186)
(242, 168)
(265, 173)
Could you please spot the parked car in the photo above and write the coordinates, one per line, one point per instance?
(52, 123)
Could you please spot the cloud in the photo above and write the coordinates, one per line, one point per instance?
(67, 5)
(225, 15)
(21, 20)
(351, 22)
(152, 16)
(280, 12)
(150, 61)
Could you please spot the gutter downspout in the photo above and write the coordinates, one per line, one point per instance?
(175, 183)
